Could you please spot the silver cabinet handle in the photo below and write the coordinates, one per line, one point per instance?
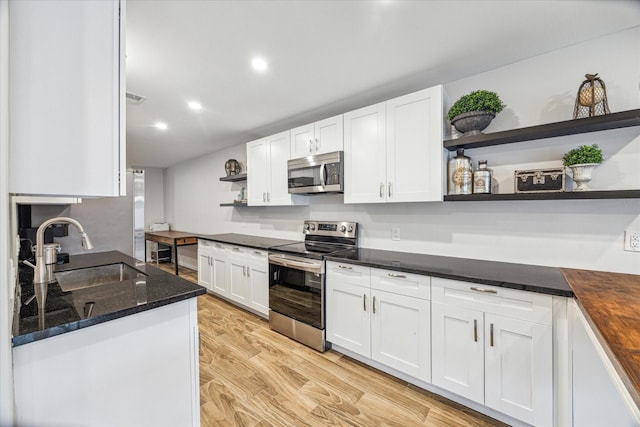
(218, 246)
(374, 305)
(248, 272)
(210, 260)
(345, 267)
(235, 249)
(491, 335)
(475, 330)
(310, 146)
(381, 190)
(264, 196)
(317, 144)
(258, 253)
(487, 291)
(390, 192)
(244, 270)
(268, 196)
(364, 302)
(399, 276)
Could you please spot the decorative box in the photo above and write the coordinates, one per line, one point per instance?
(540, 180)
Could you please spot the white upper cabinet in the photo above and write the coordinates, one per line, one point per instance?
(320, 137)
(67, 83)
(393, 150)
(267, 176)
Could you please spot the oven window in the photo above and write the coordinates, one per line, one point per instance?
(297, 294)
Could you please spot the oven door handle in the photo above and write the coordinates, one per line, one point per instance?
(312, 267)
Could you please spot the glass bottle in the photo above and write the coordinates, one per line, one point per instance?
(482, 178)
(460, 173)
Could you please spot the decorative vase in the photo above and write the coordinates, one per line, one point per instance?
(581, 174)
(473, 122)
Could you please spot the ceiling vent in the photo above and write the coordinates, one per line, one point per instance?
(134, 99)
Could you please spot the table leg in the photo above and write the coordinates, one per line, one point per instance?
(175, 249)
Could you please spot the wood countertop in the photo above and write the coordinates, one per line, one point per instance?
(611, 303)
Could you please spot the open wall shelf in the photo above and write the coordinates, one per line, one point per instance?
(234, 178)
(569, 127)
(234, 204)
(567, 195)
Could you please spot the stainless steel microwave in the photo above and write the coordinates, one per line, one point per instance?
(320, 173)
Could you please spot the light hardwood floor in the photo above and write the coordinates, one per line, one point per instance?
(252, 376)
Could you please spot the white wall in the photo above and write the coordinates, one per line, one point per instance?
(153, 196)
(580, 234)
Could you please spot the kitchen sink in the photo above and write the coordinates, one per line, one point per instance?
(81, 278)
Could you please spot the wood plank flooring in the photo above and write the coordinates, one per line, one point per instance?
(252, 376)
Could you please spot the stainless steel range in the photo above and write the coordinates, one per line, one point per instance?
(297, 282)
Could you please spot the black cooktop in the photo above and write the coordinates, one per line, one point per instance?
(313, 250)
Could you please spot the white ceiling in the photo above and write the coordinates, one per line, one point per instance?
(325, 58)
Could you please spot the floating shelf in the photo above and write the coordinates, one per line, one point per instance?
(569, 127)
(234, 178)
(233, 204)
(567, 195)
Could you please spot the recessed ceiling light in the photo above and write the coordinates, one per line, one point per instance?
(259, 64)
(160, 125)
(195, 105)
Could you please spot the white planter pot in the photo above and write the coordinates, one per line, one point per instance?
(581, 175)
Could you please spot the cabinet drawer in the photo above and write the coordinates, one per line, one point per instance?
(397, 282)
(159, 239)
(258, 255)
(349, 273)
(186, 241)
(205, 244)
(530, 306)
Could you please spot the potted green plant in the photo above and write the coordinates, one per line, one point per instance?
(582, 161)
(473, 112)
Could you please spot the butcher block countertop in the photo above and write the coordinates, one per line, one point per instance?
(611, 303)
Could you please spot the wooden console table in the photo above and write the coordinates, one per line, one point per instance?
(174, 239)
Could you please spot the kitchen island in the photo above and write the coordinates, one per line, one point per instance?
(114, 353)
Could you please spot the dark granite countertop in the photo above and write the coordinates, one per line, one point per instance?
(547, 280)
(255, 242)
(76, 309)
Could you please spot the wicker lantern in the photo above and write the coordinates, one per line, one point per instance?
(591, 99)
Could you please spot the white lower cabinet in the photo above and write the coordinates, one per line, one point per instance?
(494, 346)
(381, 315)
(237, 273)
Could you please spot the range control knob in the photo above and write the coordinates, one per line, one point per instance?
(343, 228)
(312, 227)
(350, 228)
(306, 226)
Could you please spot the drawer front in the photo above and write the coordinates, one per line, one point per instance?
(186, 241)
(160, 239)
(205, 244)
(258, 255)
(397, 282)
(342, 272)
(524, 305)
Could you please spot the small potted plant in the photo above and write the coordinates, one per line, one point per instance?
(473, 112)
(582, 161)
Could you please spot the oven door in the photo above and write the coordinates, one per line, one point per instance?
(296, 288)
(322, 173)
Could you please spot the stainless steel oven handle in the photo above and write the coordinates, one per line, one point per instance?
(312, 267)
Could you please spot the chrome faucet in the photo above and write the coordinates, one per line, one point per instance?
(43, 274)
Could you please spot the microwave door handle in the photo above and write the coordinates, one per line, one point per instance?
(323, 172)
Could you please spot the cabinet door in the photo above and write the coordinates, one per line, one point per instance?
(457, 350)
(302, 141)
(519, 369)
(414, 147)
(279, 148)
(257, 172)
(66, 81)
(204, 267)
(237, 275)
(328, 135)
(348, 318)
(401, 333)
(258, 274)
(219, 266)
(364, 155)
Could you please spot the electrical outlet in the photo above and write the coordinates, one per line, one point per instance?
(395, 233)
(632, 241)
